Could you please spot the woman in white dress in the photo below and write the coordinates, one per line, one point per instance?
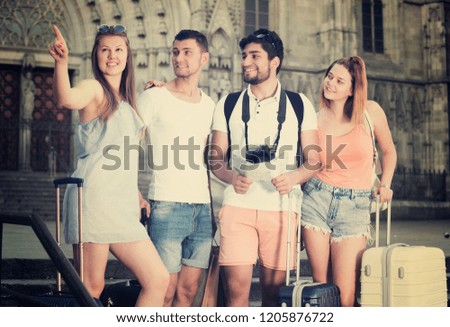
(107, 137)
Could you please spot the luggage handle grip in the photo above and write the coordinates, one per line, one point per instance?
(68, 180)
(377, 222)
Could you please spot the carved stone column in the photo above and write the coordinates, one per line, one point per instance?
(27, 90)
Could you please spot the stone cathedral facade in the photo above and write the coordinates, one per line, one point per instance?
(405, 45)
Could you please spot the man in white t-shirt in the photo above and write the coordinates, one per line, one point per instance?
(261, 172)
(178, 116)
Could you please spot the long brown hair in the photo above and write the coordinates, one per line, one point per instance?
(356, 103)
(127, 89)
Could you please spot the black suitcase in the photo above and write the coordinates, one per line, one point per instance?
(61, 298)
(121, 294)
(303, 293)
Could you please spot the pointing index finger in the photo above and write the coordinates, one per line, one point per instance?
(58, 33)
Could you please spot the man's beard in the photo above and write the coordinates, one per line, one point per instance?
(257, 79)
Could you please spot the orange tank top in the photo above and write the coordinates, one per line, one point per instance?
(347, 159)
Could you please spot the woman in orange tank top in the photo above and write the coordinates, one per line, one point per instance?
(336, 202)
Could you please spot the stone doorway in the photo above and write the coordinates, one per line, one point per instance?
(35, 135)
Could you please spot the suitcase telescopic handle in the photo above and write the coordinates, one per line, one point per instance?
(79, 182)
(377, 222)
(288, 245)
(68, 180)
(291, 194)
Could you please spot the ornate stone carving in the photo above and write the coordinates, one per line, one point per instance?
(140, 28)
(220, 53)
(163, 57)
(402, 115)
(417, 112)
(308, 87)
(27, 89)
(29, 23)
(95, 16)
(434, 42)
(115, 10)
(138, 13)
(141, 55)
(159, 8)
(198, 15)
(28, 62)
(219, 84)
(381, 96)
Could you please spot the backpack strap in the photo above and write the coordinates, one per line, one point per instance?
(368, 123)
(297, 104)
(230, 103)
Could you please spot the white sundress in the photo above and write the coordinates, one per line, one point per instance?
(108, 157)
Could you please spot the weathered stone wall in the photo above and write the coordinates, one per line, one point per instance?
(409, 80)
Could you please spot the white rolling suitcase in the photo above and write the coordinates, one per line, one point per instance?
(399, 275)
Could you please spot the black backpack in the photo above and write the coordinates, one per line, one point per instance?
(296, 102)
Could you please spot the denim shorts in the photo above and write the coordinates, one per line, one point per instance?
(182, 233)
(341, 212)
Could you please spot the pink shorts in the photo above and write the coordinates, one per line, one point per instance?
(249, 234)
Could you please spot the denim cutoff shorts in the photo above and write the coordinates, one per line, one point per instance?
(182, 233)
(339, 211)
